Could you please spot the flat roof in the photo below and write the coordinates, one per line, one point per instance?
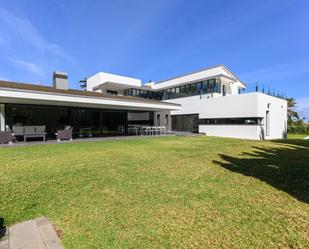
(49, 89)
(201, 70)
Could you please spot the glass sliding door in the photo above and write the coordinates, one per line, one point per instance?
(86, 122)
(188, 122)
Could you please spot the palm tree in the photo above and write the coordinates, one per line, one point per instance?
(83, 84)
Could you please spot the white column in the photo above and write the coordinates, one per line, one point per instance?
(2, 119)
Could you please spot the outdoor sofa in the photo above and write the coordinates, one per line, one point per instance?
(37, 131)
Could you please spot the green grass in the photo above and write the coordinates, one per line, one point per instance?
(297, 136)
(168, 192)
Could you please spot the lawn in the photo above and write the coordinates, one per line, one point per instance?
(168, 192)
(297, 136)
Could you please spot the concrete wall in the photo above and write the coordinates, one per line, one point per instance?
(2, 120)
(101, 78)
(163, 121)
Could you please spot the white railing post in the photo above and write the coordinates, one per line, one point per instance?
(2, 119)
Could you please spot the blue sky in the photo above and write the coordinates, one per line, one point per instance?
(264, 41)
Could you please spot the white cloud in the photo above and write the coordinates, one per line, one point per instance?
(27, 66)
(24, 40)
(25, 30)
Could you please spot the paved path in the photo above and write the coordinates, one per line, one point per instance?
(81, 140)
(32, 234)
(94, 139)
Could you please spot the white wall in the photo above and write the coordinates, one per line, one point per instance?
(234, 131)
(2, 120)
(277, 113)
(237, 106)
(243, 105)
(101, 78)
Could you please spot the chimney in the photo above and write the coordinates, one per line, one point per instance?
(60, 80)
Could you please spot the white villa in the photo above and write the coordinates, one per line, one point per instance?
(209, 101)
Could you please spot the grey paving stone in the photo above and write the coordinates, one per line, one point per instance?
(32, 234)
(25, 235)
(48, 233)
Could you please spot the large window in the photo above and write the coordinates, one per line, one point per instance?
(196, 88)
(85, 121)
(185, 122)
(231, 121)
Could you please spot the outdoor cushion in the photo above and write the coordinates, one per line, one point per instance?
(29, 129)
(18, 130)
(40, 129)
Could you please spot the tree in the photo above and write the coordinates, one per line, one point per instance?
(295, 123)
(83, 84)
(292, 114)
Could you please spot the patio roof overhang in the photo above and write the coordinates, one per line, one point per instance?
(23, 96)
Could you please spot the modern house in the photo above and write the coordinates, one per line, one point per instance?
(211, 102)
(208, 101)
(90, 113)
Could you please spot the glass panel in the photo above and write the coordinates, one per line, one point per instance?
(193, 88)
(85, 121)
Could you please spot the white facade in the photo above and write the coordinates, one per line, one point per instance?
(103, 81)
(208, 73)
(249, 105)
(269, 113)
(208, 99)
(27, 94)
(17, 96)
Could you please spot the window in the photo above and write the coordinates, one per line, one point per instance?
(199, 87)
(112, 92)
(231, 121)
(267, 123)
(182, 90)
(193, 88)
(205, 87)
(187, 89)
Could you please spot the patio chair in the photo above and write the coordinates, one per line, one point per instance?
(156, 130)
(6, 137)
(66, 134)
(147, 130)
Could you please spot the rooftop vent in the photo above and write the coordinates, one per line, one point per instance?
(60, 80)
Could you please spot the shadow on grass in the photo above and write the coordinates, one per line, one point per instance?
(285, 168)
